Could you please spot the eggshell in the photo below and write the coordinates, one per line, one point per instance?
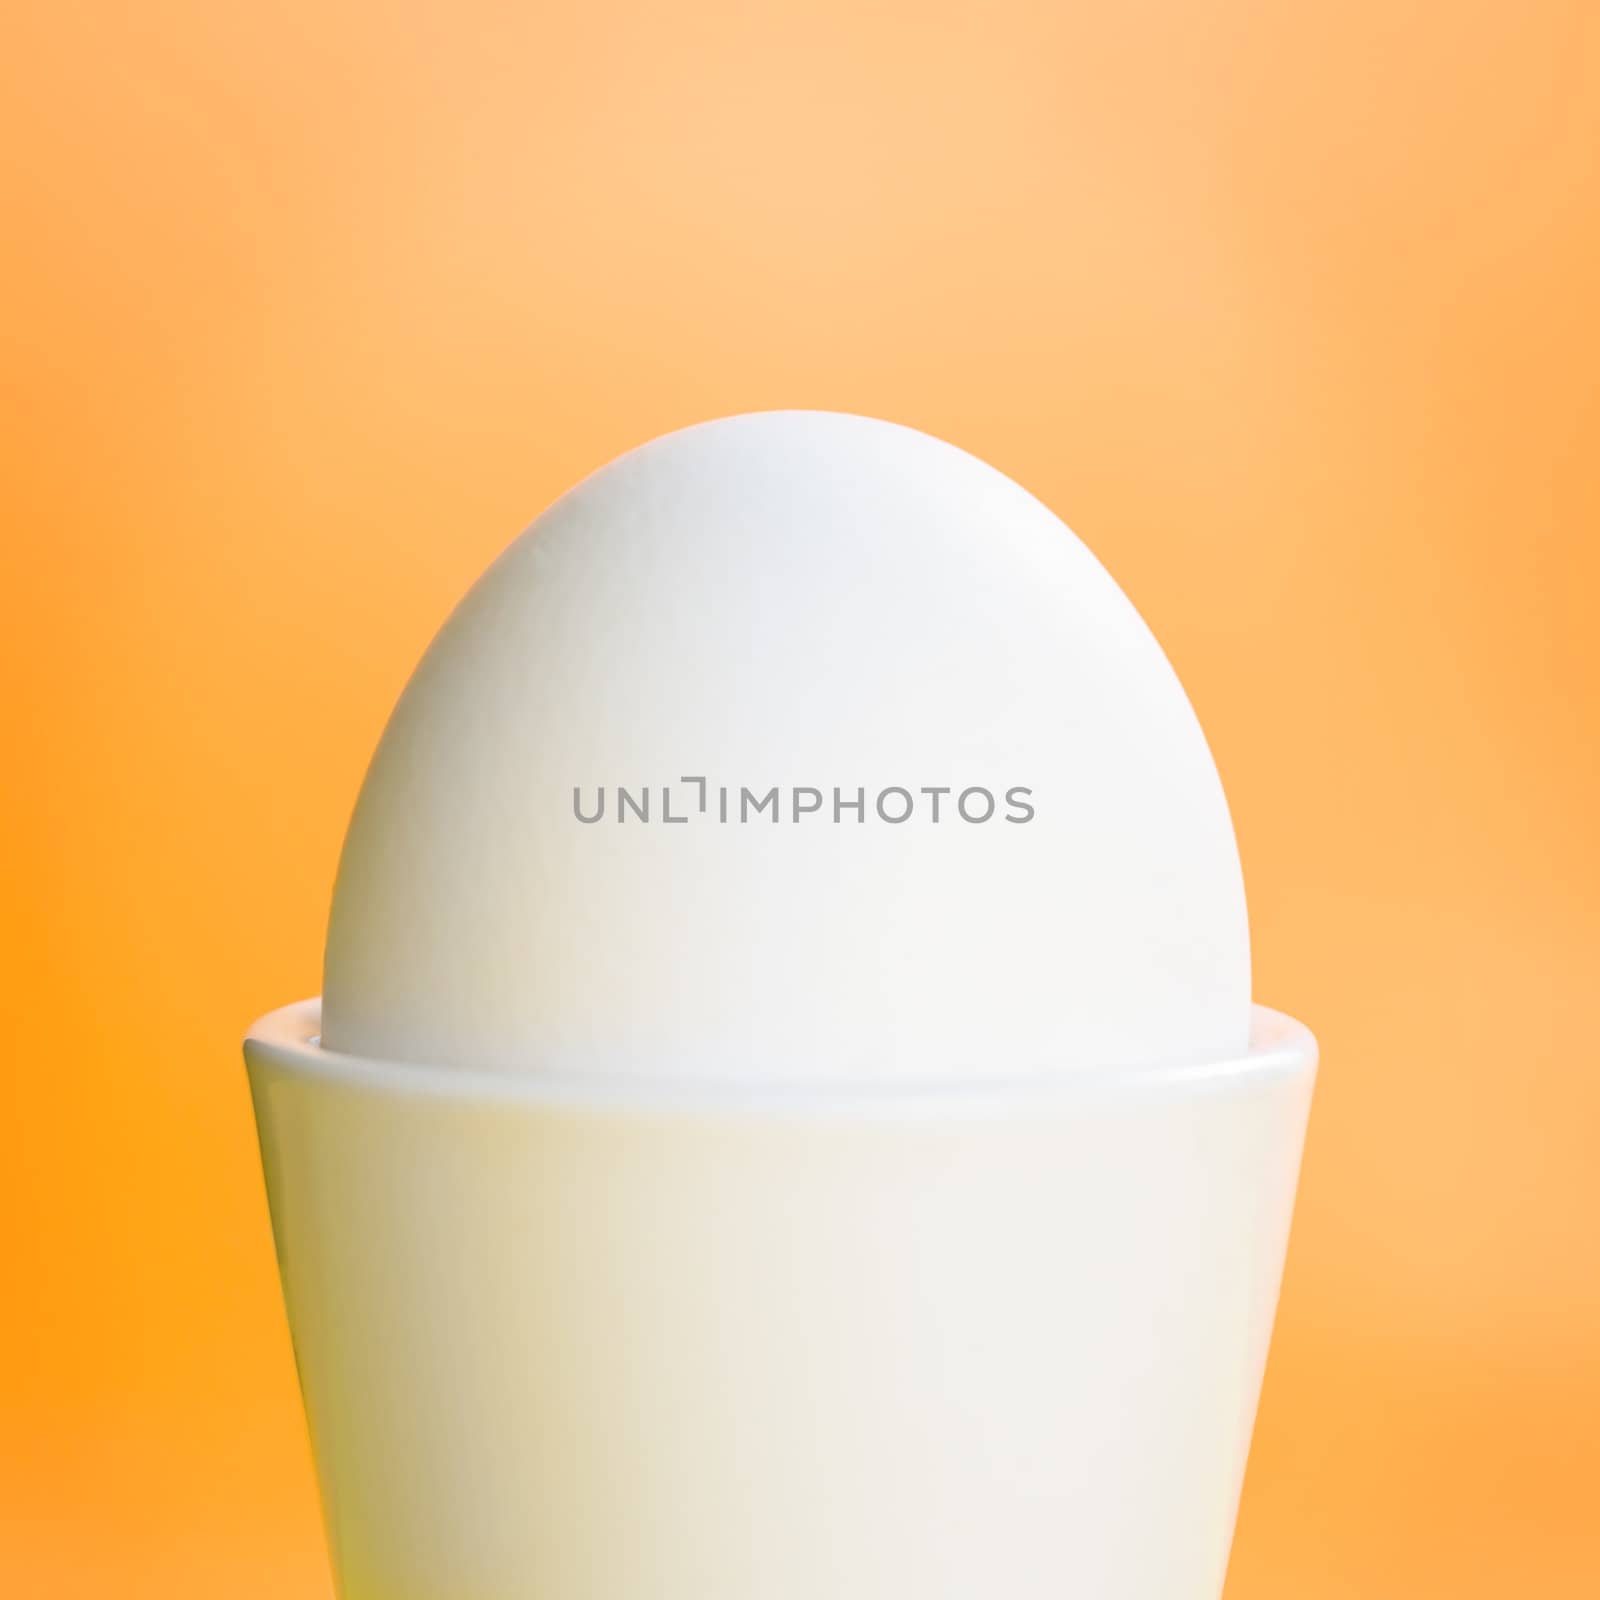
(832, 607)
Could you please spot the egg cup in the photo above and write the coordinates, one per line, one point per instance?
(593, 1339)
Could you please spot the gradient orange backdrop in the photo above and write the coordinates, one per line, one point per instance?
(1289, 309)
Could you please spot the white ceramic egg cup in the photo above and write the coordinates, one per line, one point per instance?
(581, 1340)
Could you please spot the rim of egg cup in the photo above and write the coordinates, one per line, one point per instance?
(289, 1041)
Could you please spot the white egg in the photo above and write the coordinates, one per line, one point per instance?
(715, 647)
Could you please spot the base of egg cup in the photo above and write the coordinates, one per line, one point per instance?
(581, 1340)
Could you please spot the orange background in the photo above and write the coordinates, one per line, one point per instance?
(1289, 309)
